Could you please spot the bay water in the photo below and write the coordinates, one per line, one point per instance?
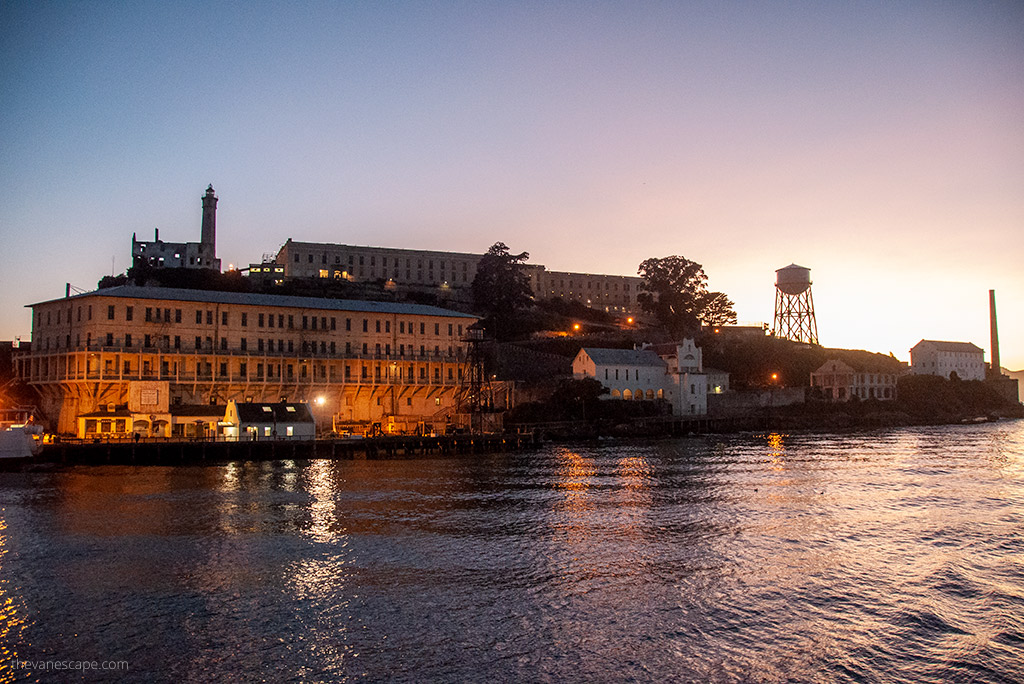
(872, 556)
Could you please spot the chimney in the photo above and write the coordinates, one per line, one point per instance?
(997, 370)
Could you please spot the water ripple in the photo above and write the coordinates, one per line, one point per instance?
(878, 556)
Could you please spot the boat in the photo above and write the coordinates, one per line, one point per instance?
(20, 442)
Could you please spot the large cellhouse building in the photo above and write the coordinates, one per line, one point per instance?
(448, 273)
(146, 360)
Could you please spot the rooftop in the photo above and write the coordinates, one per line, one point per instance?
(255, 299)
(624, 357)
(939, 345)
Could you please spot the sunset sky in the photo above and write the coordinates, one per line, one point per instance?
(879, 144)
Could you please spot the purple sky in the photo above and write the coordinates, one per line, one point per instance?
(879, 144)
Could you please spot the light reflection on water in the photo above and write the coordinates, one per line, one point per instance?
(882, 556)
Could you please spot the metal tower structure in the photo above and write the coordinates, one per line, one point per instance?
(475, 397)
(794, 305)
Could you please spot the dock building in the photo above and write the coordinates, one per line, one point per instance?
(132, 359)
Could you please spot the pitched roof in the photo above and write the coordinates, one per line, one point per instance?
(624, 357)
(256, 299)
(835, 365)
(968, 347)
(262, 412)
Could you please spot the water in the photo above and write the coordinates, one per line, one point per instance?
(865, 557)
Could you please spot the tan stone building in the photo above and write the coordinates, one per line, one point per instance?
(129, 359)
(838, 381)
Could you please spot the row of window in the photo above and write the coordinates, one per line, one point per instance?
(346, 275)
(396, 262)
(636, 374)
(287, 371)
(590, 285)
(269, 344)
(638, 394)
(263, 320)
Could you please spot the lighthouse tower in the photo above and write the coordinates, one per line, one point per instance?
(208, 236)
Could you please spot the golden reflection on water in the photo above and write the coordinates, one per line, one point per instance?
(573, 479)
(323, 523)
(12, 625)
(634, 473)
(573, 473)
(322, 581)
(776, 451)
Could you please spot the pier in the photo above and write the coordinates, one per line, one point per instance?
(167, 452)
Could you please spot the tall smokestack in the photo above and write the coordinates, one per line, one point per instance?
(997, 370)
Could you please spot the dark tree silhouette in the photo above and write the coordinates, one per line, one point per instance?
(501, 288)
(675, 290)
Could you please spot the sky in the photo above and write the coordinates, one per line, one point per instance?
(879, 144)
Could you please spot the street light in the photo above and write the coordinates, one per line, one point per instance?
(319, 401)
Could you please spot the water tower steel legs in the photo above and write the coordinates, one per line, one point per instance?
(794, 317)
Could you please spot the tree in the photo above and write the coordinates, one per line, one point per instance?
(501, 288)
(675, 290)
(717, 309)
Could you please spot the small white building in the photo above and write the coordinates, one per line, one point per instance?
(932, 357)
(627, 373)
(672, 372)
(253, 422)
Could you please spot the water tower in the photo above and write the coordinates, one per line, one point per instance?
(794, 306)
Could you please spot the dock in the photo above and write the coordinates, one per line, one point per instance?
(169, 452)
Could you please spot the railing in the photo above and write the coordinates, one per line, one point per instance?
(441, 356)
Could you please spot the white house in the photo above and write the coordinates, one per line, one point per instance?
(932, 357)
(673, 372)
(627, 373)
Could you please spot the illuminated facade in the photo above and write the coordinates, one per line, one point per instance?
(449, 272)
(132, 359)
